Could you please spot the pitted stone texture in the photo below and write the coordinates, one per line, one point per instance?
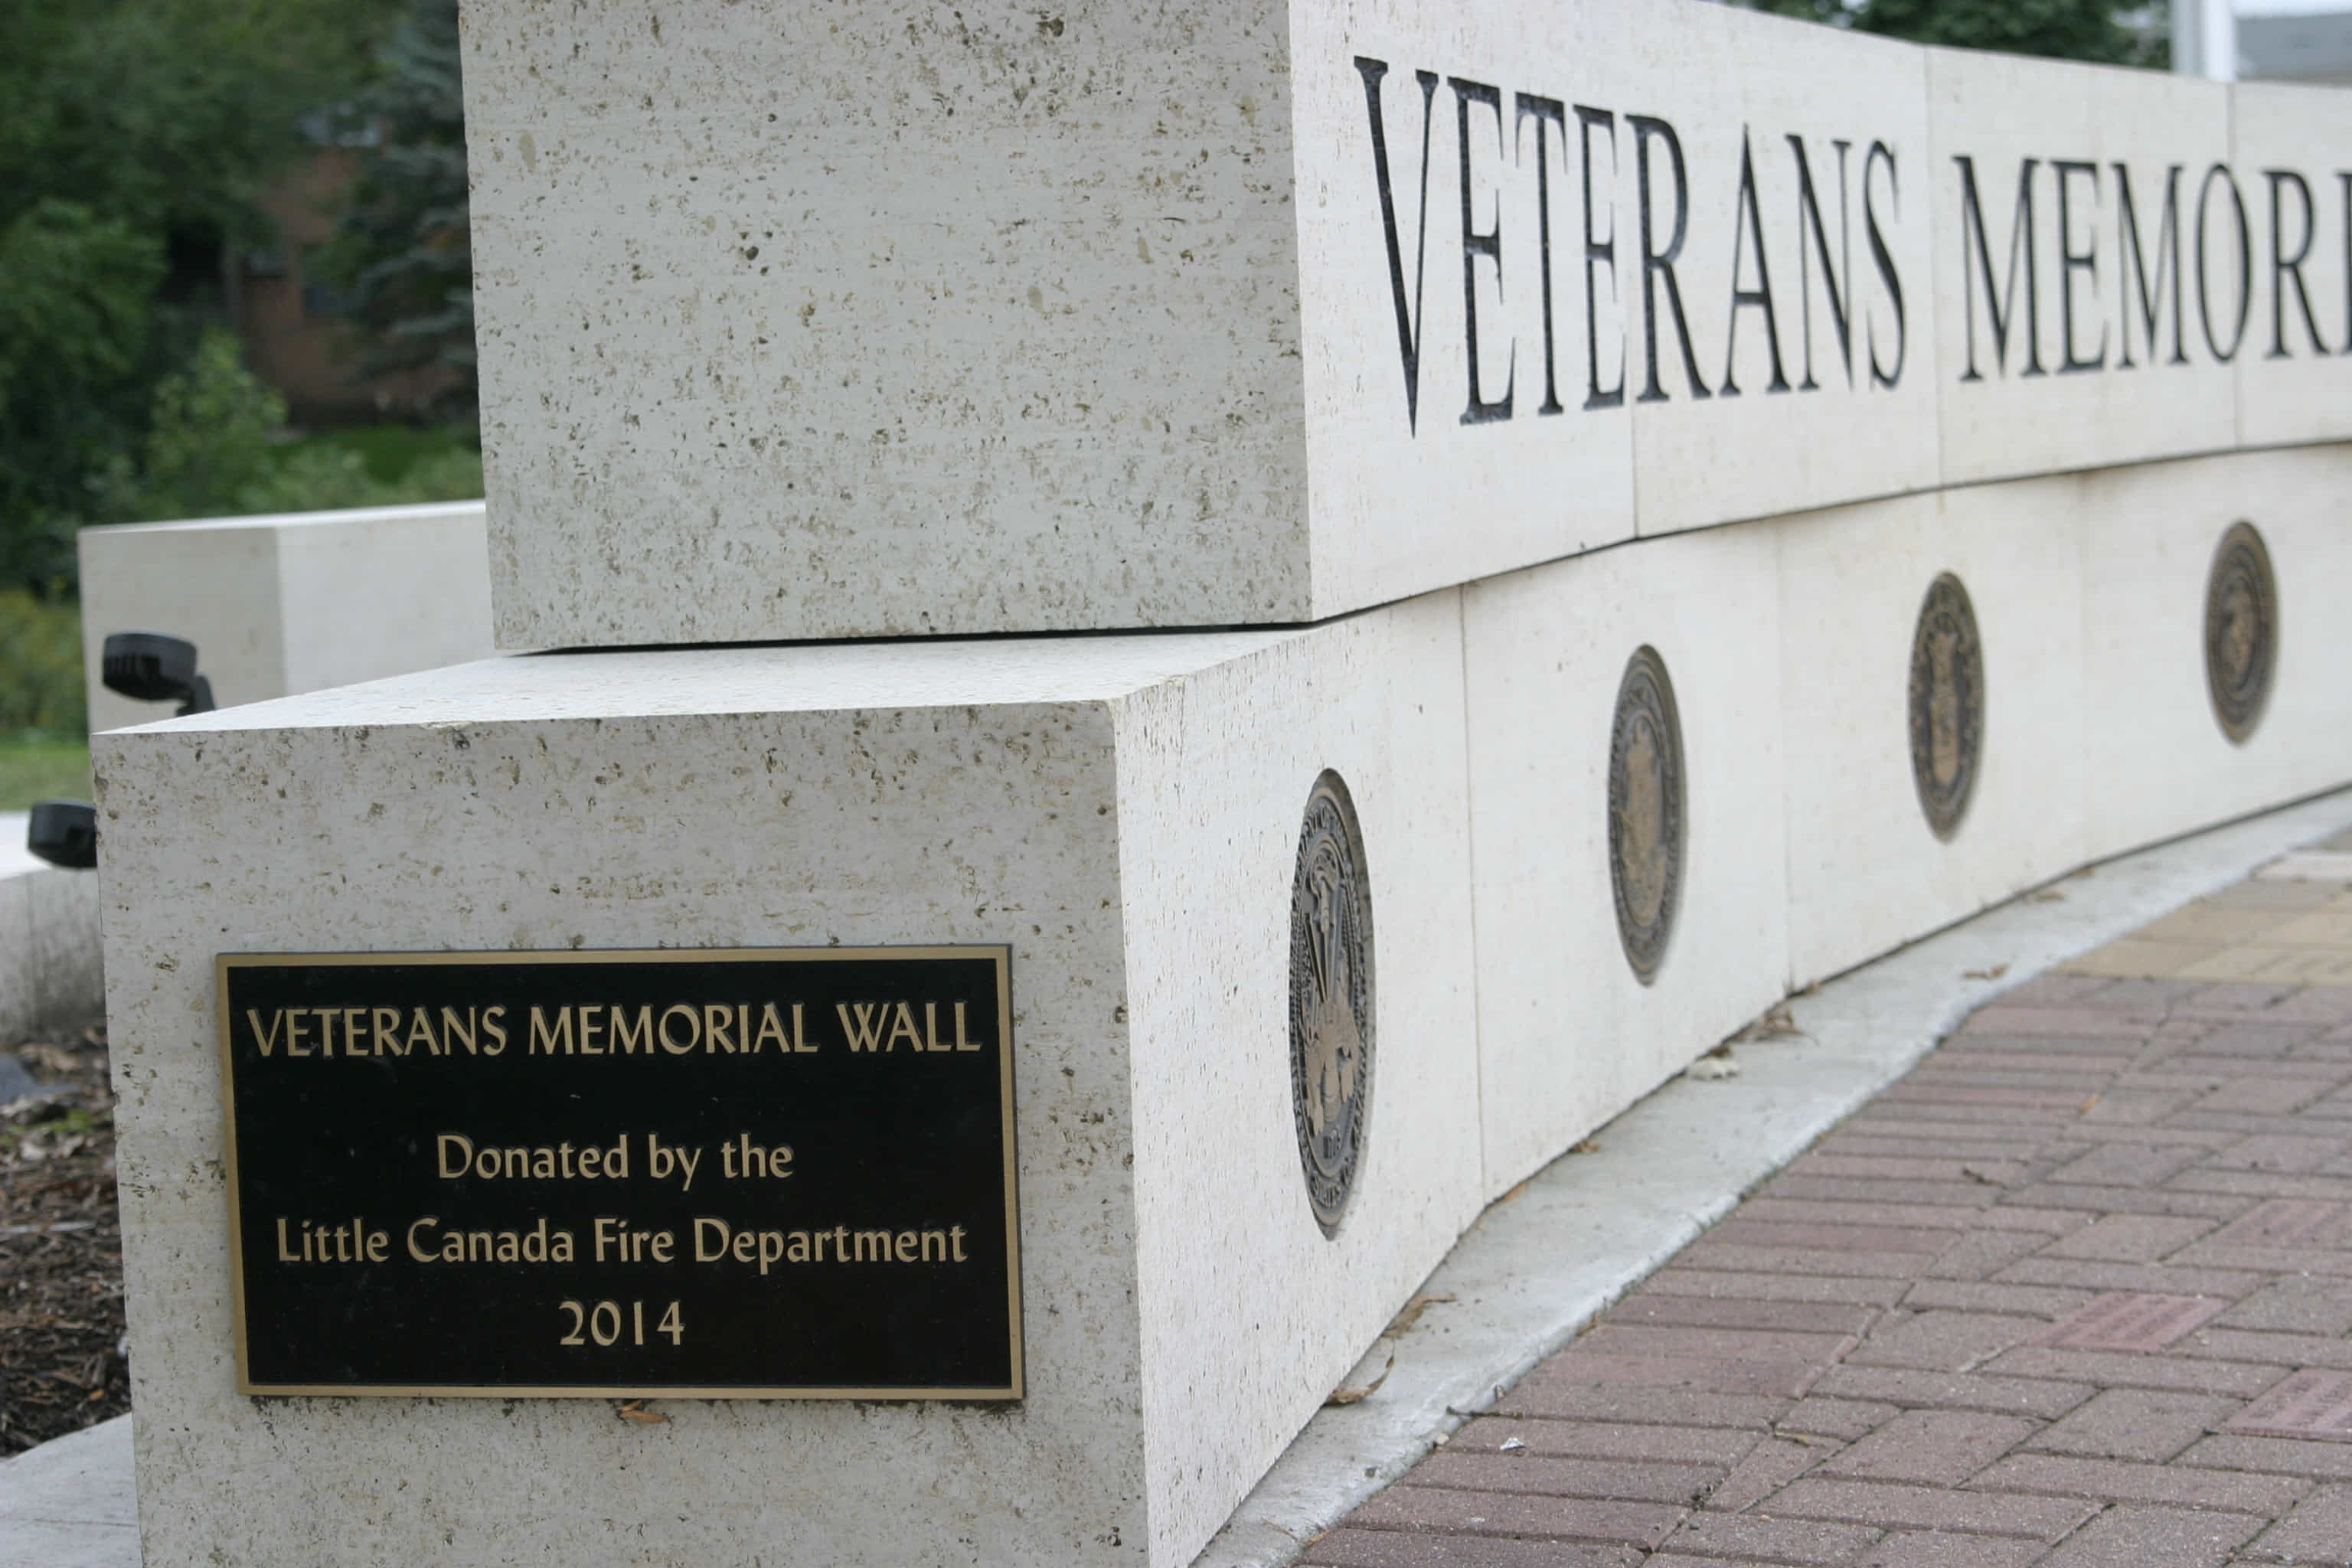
(1084, 802)
(873, 318)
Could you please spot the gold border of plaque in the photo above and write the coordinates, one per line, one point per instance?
(1001, 952)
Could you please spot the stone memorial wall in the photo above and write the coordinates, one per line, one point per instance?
(1352, 335)
(971, 324)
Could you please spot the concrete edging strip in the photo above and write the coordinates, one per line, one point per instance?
(1542, 1261)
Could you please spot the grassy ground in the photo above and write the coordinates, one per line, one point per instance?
(42, 767)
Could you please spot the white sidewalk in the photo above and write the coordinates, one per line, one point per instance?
(70, 1503)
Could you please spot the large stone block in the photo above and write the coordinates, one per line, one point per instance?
(1815, 378)
(2157, 760)
(49, 973)
(1325, 304)
(1125, 813)
(2063, 193)
(1866, 869)
(1569, 1034)
(292, 602)
(2287, 144)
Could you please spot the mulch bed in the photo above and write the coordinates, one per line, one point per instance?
(62, 1350)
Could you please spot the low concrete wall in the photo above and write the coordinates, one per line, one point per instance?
(50, 974)
(290, 603)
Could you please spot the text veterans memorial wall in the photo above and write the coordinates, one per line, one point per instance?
(708, 1173)
(1182, 323)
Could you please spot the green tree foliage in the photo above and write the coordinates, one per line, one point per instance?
(76, 352)
(211, 450)
(40, 650)
(404, 259)
(134, 137)
(165, 113)
(2061, 30)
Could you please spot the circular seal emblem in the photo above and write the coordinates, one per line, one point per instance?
(1947, 704)
(1645, 811)
(1331, 999)
(2240, 631)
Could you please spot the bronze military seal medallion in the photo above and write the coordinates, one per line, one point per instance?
(1331, 999)
(1645, 811)
(2240, 631)
(1947, 704)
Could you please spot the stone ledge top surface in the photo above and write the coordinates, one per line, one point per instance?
(543, 688)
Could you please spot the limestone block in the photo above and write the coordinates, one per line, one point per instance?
(1808, 236)
(1415, 477)
(886, 319)
(49, 974)
(19, 1001)
(1865, 870)
(68, 982)
(2286, 142)
(1170, 324)
(1323, 304)
(2156, 762)
(290, 603)
(1124, 812)
(1568, 1035)
(2043, 351)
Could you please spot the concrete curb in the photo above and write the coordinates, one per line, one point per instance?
(70, 1503)
(1541, 1262)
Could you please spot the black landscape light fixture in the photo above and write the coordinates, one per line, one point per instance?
(153, 667)
(64, 833)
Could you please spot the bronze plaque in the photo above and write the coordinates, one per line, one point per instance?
(1947, 704)
(683, 1174)
(1331, 999)
(2240, 631)
(1645, 811)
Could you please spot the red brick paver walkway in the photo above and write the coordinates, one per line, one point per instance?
(2076, 1291)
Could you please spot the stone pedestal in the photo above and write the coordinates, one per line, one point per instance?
(1124, 813)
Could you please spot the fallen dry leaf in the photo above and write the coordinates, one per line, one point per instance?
(1347, 1396)
(1411, 1311)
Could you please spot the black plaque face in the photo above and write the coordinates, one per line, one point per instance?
(1947, 704)
(1331, 999)
(1645, 811)
(2240, 631)
(765, 1173)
